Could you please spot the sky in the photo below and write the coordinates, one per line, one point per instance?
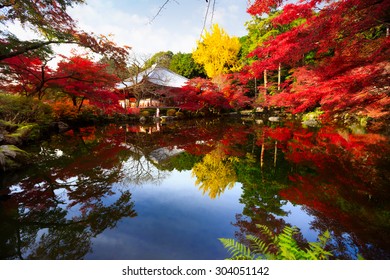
(134, 23)
(177, 28)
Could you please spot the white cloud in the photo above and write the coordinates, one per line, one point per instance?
(177, 28)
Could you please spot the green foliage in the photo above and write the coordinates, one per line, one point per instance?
(312, 115)
(237, 250)
(162, 59)
(281, 246)
(259, 30)
(20, 109)
(180, 162)
(185, 65)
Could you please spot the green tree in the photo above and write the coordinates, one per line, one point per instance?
(217, 52)
(185, 65)
(162, 59)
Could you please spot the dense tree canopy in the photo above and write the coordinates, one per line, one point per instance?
(347, 40)
(184, 64)
(83, 79)
(217, 52)
(76, 77)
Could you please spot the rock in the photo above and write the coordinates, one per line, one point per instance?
(259, 110)
(165, 119)
(24, 134)
(62, 127)
(311, 123)
(259, 121)
(273, 119)
(11, 157)
(13, 140)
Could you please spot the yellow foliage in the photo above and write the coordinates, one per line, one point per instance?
(217, 52)
(215, 173)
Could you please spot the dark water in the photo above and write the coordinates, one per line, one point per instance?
(170, 191)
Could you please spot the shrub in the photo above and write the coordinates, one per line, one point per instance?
(64, 110)
(179, 115)
(133, 111)
(171, 112)
(21, 109)
(145, 113)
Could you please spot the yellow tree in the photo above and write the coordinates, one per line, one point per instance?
(217, 52)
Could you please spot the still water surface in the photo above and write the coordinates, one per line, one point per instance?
(170, 191)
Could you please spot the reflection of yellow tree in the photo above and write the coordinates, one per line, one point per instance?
(215, 173)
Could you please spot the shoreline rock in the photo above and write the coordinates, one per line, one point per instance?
(11, 158)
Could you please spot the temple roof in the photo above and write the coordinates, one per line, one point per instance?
(157, 75)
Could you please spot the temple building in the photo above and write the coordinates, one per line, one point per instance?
(150, 88)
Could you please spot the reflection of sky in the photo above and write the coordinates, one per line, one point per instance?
(298, 217)
(174, 221)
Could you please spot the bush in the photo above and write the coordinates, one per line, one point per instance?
(179, 115)
(21, 109)
(133, 111)
(65, 111)
(145, 113)
(171, 112)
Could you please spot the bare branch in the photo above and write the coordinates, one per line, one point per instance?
(212, 12)
(205, 18)
(159, 11)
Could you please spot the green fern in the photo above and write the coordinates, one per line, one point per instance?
(286, 246)
(236, 249)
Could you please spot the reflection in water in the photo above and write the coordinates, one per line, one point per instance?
(215, 173)
(82, 188)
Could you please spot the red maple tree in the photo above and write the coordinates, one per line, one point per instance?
(87, 80)
(349, 42)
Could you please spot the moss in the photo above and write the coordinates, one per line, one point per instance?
(11, 157)
(312, 115)
(27, 133)
(8, 126)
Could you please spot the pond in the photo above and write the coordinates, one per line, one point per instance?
(169, 191)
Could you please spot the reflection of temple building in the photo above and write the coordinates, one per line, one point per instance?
(150, 88)
(143, 129)
(162, 154)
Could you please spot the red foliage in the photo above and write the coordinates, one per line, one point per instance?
(25, 75)
(263, 6)
(85, 79)
(79, 77)
(202, 94)
(350, 48)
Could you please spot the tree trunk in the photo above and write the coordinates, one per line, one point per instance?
(81, 104)
(279, 76)
(275, 153)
